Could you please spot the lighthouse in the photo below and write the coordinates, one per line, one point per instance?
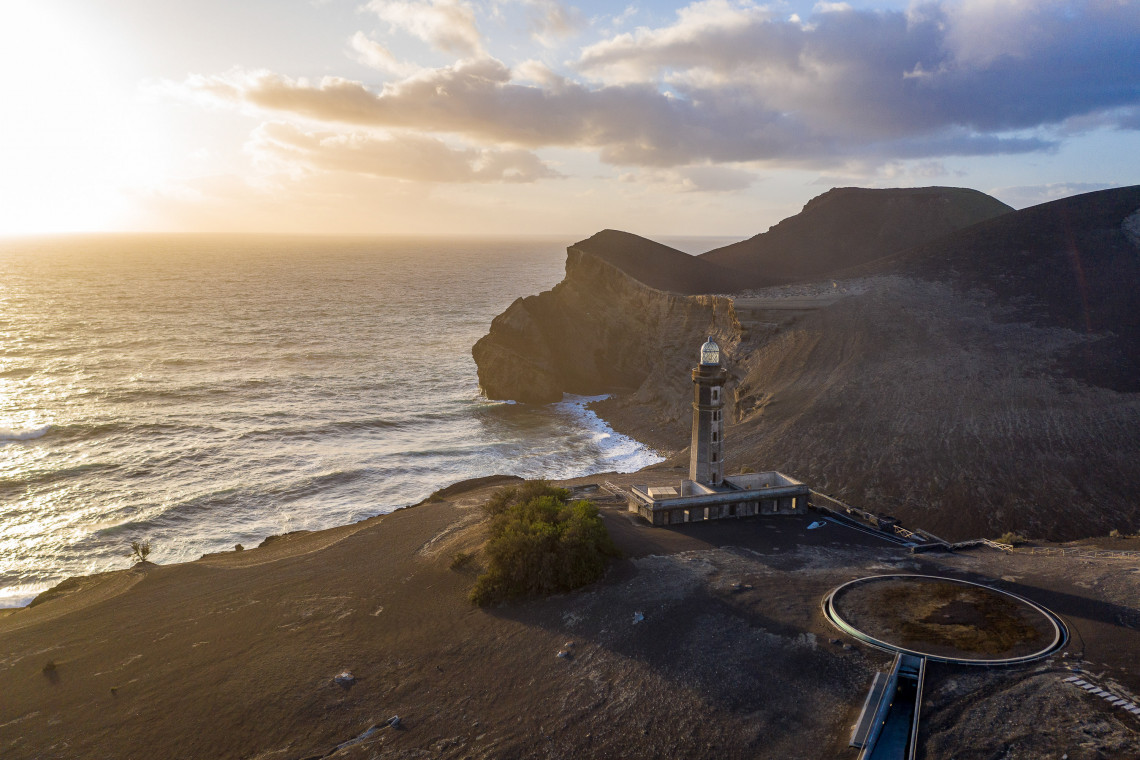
(706, 461)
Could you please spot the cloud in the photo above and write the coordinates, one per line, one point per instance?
(406, 157)
(447, 25)
(550, 20)
(373, 54)
(629, 124)
(729, 82)
(700, 179)
(884, 72)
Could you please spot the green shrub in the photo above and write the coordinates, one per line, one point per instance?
(507, 497)
(541, 544)
(1011, 538)
(1114, 533)
(461, 560)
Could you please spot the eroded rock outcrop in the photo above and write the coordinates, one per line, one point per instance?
(599, 330)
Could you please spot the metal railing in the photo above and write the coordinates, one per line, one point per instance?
(823, 500)
(1087, 553)
(829, 502)
(981, 542)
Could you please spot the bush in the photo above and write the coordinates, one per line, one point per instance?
(541, 544)
(461, 560)
(1114, 533)
(139, 550)
(1011, 538)
(505, 498)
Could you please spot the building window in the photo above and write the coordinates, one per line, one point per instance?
(714, 456)
(714, 437)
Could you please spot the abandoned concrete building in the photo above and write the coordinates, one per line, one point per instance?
(708, 494)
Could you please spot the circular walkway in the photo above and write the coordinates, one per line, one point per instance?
(944, 619)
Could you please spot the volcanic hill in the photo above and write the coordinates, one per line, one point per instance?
(915, 352)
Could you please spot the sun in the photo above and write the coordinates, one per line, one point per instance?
(76, 140)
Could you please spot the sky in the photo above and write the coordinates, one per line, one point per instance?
(492, 117)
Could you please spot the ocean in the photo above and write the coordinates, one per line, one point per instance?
(200, 392)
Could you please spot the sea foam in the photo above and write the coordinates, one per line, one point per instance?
(617, 452)
(23, 434)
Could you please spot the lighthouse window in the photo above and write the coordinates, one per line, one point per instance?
(716, 393)
(714, 456)
(714, 437)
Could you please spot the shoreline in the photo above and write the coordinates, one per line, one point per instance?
(579, 408)
(673, 653)
(616, 450)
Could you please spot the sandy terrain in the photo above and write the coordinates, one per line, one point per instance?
(236, 655)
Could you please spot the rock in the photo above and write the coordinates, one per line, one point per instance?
(638, 617)
(238, 548)
(564, 654)
(344, 678)
(395, 722)
(599, 329)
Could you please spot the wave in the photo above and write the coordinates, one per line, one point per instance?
(23, 434)
(80, 431)
(325, 429)
(615, 451)
(235, 503)
(35, 478)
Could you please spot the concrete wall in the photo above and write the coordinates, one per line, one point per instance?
(792, 498)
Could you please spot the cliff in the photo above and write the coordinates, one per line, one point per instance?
(975, 384)
(601, 329)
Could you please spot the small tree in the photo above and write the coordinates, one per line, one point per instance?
(139, 550)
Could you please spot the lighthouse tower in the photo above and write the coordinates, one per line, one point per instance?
(706, 463)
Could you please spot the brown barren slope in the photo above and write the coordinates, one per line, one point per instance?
(847, 226)
(235, 656)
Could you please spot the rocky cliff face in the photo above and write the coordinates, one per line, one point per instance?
(978, 384)
(597, 331)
